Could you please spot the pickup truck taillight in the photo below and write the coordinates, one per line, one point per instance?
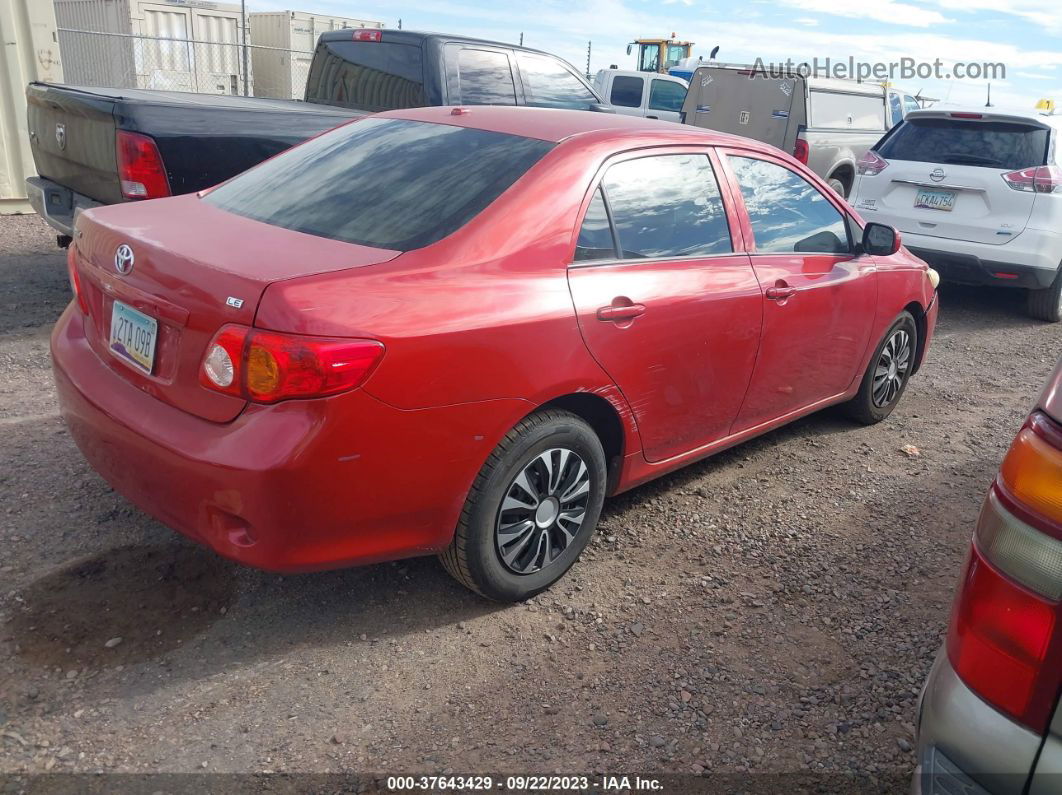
(1005, 642)
(140, 167)
(267, 367)
(801, 151)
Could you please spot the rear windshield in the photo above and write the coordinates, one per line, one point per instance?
(386, 183)
(367, 75)
(992, 144)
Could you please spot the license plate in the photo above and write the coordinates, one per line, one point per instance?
(133, 336)
(935, 199)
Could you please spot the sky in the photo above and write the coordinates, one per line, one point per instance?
(1024, 35)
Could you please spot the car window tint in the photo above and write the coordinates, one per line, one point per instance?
(595, 235)
(666, 95)
(909, 104)
(667, 206)
(627, 91)
(788, 213)
(484, 78)
(992, 144)
(895, 108)
(548, 84)
(371, 76)
(388, 183)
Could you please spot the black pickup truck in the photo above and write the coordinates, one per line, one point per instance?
(95, 146)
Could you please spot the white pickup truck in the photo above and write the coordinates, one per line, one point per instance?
(647, 94)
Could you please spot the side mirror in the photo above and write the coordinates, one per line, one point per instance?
(629, 48)
(600, 107)
(880, 240)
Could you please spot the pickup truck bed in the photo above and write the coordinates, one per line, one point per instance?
(73, 129)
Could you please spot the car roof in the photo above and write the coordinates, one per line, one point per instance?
(556, 124)
(417, 36)
(994, 113)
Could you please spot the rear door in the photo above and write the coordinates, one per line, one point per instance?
(666, 299)
(665, 99)
(819, 297)
(72, 136)
(945, 176)
(626, 93)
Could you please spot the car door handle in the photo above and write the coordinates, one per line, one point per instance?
(780, 293)
(623, 312)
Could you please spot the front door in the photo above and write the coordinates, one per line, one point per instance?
(819, 295)
(667, 304)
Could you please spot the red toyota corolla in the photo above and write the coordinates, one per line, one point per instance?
(456, 331)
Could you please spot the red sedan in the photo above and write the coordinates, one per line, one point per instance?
(456, 331)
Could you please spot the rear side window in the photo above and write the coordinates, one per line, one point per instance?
(548, 84)
(788, 213)
(387, 183)
(667, 206)
(367, 75)
(993, 144)
(595, 236)
(484, 78)
(666, 95)
(627, 91)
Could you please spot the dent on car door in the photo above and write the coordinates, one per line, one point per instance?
(667, 304)
(819, 294)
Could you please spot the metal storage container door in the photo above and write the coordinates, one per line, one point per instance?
(217, 68)
(30, 26)
(165, 65)
(90, 59)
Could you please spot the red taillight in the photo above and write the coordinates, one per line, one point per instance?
(998, 643)
(1003, 641)
(871, 164)
(966, 115)
(368, 35)
(140, 167)
(1037, 179)
(801, 150)
(267, 366)
(75, 279)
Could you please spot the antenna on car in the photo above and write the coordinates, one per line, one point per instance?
(988, 104)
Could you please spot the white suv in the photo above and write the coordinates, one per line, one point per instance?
(977, 194)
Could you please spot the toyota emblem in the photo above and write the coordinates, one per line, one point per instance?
(60, 135)
(937, 174)
(124, 259)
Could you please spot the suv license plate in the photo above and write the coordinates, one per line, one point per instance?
(133, 336)
(935, 199)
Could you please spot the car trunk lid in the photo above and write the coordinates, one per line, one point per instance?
(945, 176)
(195, 268)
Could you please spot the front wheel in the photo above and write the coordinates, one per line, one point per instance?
(887, 374)
(1046, 304)
(531, 510)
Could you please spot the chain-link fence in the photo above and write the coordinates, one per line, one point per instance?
(123, 60)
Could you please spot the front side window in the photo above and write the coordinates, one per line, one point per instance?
(666, 95)
(484, 78)
(627, 91)
(788, 214)
(387, 183)
(548, 84)
(667, 206)
(650, 60)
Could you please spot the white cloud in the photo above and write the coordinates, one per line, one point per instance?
(808, 21)
(1044, 14)
(889, 11)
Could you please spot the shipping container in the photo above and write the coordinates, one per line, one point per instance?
(174, 45)
(283, 44)
(31, 52)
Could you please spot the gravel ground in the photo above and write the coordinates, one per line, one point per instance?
(773, 609)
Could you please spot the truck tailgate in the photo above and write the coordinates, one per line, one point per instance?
(72, 139)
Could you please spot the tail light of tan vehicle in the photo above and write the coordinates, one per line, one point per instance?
(1005, 639)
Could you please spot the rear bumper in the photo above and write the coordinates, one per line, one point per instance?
(965, 747)
(297, 486)
(1030, 260)
(56, 204)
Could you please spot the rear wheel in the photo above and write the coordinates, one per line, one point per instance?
(838, 187)
(887, 374)
(1046, 304)
(532, 508)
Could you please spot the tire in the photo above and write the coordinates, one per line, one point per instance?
(1046, 304)
(867, 406)
(838, 187)
(544, 449)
